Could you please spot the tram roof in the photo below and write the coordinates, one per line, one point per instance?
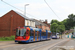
(49, 31)
(36, 29)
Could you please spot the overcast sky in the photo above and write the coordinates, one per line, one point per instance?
(38, 9)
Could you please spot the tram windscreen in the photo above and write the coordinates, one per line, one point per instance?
(20, 32)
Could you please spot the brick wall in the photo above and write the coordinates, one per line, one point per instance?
(9, 22)
(43, 27)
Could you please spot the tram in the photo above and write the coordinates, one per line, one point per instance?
(30, 34)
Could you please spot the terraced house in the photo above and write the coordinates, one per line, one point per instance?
(13, 19)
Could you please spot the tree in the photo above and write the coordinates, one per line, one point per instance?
(61, 28)
(65, 23)
(57, 26)
(69, 22)
(54, 27)
(54, 21)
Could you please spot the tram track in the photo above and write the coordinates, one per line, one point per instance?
(28, 46)
(12, 44)
(47, 46)
(40, 45)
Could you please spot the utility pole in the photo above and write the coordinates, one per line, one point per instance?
(25, 9)
(74, 30)
(56, 30)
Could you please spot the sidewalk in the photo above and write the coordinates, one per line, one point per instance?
(7, 41)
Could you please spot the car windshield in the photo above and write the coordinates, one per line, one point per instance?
(20, 32)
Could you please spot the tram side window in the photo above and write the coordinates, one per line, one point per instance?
(31, 33)
(35, 33)
(38, 34)
(43, 33)
(49, 35)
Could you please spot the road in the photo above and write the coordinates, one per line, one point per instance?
(52, 44)
(67, 45)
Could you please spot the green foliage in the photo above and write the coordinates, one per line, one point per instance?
(67, 33)
(54, 21)
(7, 38)
(69, 22)
(53, 27)
(57, 26)
(61, 28)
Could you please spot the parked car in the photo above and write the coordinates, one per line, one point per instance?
(55, 36)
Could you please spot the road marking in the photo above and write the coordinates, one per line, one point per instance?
(36, 45)
(23, 49)
(46, 48)
(28, 46)
(9, 45)
(72, 49)
(57, 43)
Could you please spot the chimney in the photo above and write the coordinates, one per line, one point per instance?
(40, 26)
(46, 21)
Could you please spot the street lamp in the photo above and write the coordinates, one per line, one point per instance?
(25, 9)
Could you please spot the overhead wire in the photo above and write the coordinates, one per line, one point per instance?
(15, 7)
(51, 9)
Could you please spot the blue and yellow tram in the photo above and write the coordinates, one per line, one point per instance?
(30, 34)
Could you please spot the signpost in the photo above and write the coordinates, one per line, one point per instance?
(74, 33)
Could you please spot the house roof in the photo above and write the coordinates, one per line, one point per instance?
(22, 15)
(37, 22)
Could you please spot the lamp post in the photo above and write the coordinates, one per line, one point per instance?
(25, 9)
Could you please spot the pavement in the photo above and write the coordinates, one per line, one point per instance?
(67, 45)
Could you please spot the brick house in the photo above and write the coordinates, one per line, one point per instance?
(12, 20)
(42, 25)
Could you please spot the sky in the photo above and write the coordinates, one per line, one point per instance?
(38, 9)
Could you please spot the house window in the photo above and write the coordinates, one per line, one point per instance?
(27, 23)
(31, 33)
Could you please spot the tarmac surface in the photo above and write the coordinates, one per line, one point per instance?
(53, 44)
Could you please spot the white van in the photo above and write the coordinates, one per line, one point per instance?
(57, 34)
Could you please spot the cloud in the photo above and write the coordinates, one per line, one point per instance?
(35, 9)
(68, 9)
(57, 11)
(39, 8)
(32, 5)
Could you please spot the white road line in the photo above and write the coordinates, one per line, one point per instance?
(23, 49)
(50, 48)
(27, 48)
(53, 44)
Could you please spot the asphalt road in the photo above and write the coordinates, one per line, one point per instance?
(67, 45)
(42, 45)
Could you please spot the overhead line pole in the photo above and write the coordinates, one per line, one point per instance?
(15, 7)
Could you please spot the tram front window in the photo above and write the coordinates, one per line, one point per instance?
(20, 32)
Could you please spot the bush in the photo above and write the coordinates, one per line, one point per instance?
(67, 33)
(7, 38)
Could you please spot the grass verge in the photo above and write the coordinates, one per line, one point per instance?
(11, 38)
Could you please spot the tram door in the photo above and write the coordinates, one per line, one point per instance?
(35, 35)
